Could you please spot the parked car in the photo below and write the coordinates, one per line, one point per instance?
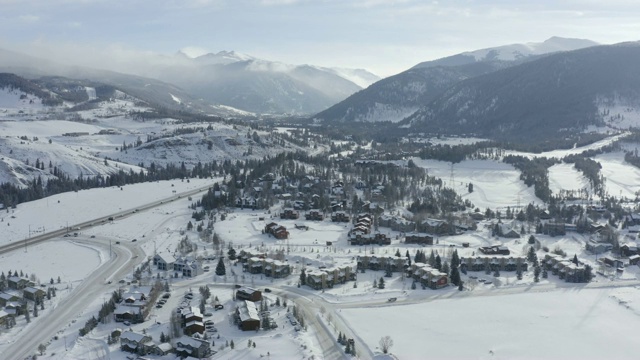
(166, 295)
(219, 307)
(392, 299)
(126, 323)
(207, 314)
(117, 242)
(267, 290)
(134, 240)
(93, 236)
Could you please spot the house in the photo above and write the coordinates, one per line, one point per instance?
(326, 278)
(427, 276)
(6, 298)
(436, 226)
(136, 343)
(188, 346)
(597, 247)
(392, 263)
(6, 319)
(634, 259)
(396, 223)
(418, 238)
(630, 248)
(193, 327)
(128, 313)
(278, 231)
(17, 283)
(611, 262)
(359, 236)
(493, 263)
(247, 293)
(340, 216)
(162, 349)
(554, 229)
(33, 294)
(566, 269)
(315, 215)
(14, 308)
(495, 250)
(289, 213)
(164, 261)
(247, 314)
(191, 314)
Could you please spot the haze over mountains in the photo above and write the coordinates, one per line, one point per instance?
(519, 91)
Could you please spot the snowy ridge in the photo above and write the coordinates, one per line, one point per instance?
(13, 101)
(386, 112)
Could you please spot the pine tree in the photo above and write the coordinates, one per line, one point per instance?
(303, 277)
(381, 283)
(438, 262)
(35, 309)
(536, 274)
(220, 269)
(575, 259)
(413, 285)
(231, 344)
(531, 254)
(455, 276)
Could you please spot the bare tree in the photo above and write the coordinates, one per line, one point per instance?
(386, 342)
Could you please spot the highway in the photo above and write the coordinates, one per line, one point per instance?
(124, 258)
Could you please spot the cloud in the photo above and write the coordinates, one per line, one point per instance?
(278, 2)
(194, 51)
(29, 18)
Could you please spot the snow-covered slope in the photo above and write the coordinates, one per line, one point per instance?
(512, 52)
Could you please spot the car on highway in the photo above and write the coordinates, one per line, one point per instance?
(117, 242)
(93, 236)
(392, 299)
(134, 240)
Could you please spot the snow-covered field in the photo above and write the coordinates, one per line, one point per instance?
(566, 177)
(66, 209)
(564, 152)
(51, 259)
(570, 324)
(622, 179)
(495, 184)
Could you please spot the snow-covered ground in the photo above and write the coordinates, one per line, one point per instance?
(622, 179)
(566, 177)
(495, 184)
(564, 152)
(571, 323)
(66, 209)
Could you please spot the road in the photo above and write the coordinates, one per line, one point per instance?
(93, 287)
(97, 221)
(124, 258)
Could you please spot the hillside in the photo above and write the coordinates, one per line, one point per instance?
(546, 98)
(396, 97)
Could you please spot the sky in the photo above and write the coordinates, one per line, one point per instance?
(382, 36)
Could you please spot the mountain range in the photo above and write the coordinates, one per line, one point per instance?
(399, 96)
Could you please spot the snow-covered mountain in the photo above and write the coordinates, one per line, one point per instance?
(513, 52)
(547, 98)
(396, 97)
(243, 82)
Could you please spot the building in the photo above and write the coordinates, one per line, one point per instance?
(554, 229)
(360, 237)
(372, 262)
(596, 247)
(493, 263)
(396, 223)
(436, 227)
(566, 269)
(164, 261)
(326, 278)
(314, 215)
(495, 250)
(136, 343)
(17, 283)
(278, 231)
(128, 313)
(249, 294)
(289, 213)
(427, 276)
(248, 318)
(340, 216)
(418, 238)
(33, 294)
(188, 346)
(6, 298)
